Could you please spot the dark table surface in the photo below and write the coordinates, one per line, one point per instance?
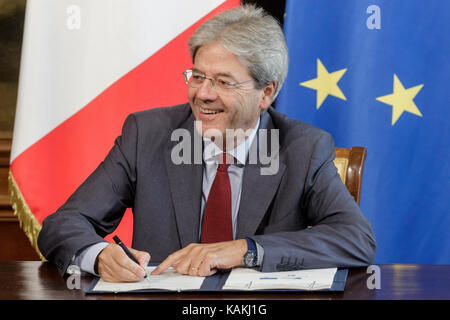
(31, 280)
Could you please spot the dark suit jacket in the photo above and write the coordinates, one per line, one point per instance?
(275, 210)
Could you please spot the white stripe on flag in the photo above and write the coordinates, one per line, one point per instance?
(74, 49)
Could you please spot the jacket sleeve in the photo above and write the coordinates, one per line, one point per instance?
(96, 207)
(339, 235)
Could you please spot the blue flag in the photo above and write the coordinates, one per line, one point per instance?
(377, 74)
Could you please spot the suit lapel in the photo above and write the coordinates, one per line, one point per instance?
(185, 181)
(258, 190)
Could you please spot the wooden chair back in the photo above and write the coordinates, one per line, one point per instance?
(350, 164)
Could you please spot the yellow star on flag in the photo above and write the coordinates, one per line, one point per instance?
(325, 84)
(401, 100)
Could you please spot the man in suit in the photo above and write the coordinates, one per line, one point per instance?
(201, 216)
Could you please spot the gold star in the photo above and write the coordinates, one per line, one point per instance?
(325, 84)
(401, 100)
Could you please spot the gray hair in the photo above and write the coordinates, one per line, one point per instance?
(252, 35)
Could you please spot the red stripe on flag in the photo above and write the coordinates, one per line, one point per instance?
(49, 171)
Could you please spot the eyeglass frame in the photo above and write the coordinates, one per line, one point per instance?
(213, 81)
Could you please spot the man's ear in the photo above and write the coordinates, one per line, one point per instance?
(268, 93)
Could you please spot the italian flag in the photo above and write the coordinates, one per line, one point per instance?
(85, 66)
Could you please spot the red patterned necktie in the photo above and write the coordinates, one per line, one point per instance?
(217, 224)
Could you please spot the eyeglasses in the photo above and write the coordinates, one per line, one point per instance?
(196, 80)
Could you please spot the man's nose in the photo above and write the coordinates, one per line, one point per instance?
(206, 91)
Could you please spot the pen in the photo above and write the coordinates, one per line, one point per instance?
(125, 249)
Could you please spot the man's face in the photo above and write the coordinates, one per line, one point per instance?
(238, 108)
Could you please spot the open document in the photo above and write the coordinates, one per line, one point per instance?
(236, 280)
(249, 279)
(168, 280)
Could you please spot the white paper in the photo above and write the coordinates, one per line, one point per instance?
(168, 280)
(250, 279)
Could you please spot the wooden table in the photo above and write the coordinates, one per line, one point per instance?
(35, 280)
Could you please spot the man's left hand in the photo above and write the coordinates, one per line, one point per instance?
(200, 259)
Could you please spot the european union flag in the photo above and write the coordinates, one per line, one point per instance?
(377, 74)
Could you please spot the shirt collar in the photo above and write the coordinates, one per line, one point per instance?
(240, 153)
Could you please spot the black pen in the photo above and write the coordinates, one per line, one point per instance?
(127, 252)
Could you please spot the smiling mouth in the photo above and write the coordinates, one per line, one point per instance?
(209, 111)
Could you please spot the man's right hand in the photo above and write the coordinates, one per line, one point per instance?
(113, 265)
